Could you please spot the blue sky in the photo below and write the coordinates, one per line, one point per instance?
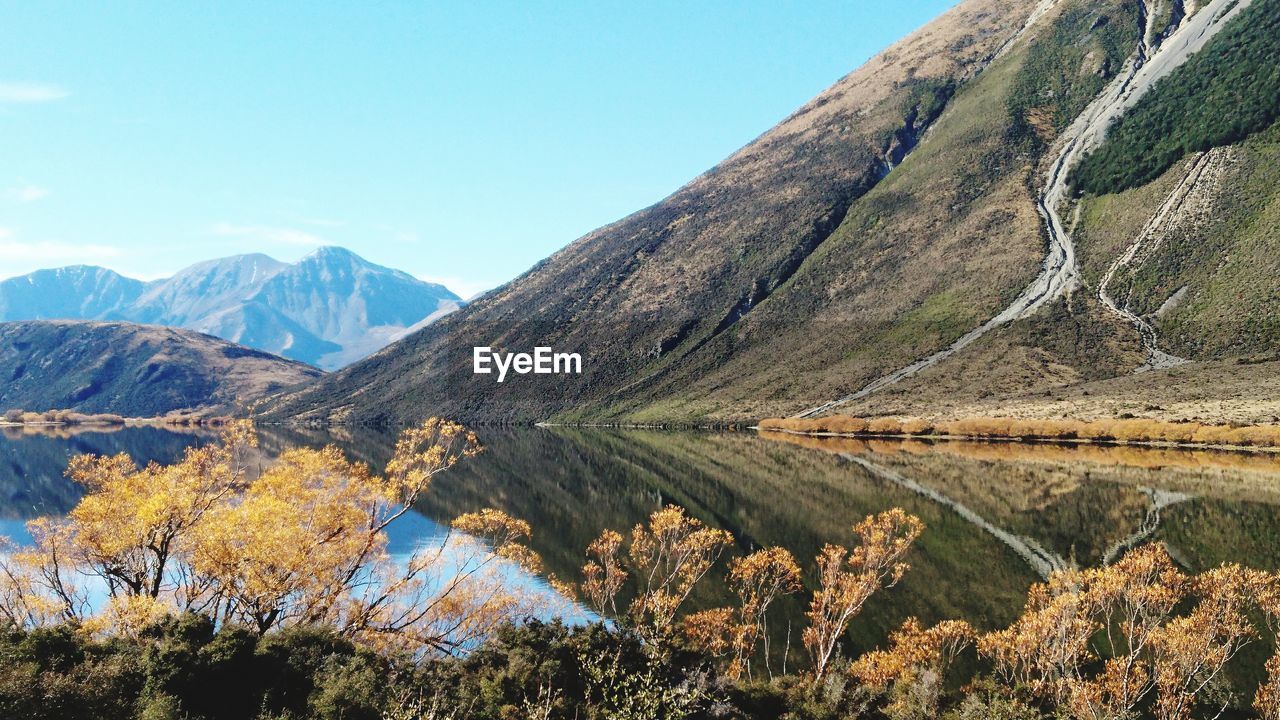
(461, 142)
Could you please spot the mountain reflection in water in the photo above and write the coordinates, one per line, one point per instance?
(998, 516)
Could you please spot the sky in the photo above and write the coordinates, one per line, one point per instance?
(461, 142)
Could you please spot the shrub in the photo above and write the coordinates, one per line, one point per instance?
(1126, 430)
(916, 426)
(1221, 95)
(884, 426)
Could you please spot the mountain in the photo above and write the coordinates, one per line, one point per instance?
(360, 307)
(914, 236)
(328, 309)
(133, 370)
(204, 289)
(70, 292)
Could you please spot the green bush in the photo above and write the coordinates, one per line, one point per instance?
(1054, 81)
(184, 669)
(1223, 94)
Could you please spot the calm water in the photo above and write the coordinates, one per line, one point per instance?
(998, 516)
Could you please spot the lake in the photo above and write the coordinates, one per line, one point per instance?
(999, 516)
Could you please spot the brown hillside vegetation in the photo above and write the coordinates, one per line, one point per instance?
(1111, 455)
(17, 416)
(655, 301)
(1130, 430)
(90, 368)
(877, 225)
(1007, 377)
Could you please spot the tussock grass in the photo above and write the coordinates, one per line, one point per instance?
(1139, 456)
(59, 417)
(63, 417)
(1121, 430)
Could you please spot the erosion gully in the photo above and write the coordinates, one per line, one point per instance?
(1155, 56)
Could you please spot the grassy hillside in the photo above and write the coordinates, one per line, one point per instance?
(941, 244)
(1068, 64)
(134, 370)
(1204, 274)
(647, 298)
(1209, 284)
(879, 223)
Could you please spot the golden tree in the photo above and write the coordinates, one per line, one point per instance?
(848, 578)
(1266, 593)
(603, 574)
(1147, 645)
(301, 543)
(1192, 651)
(1045, 648)
(757, 579)
(38, 583)
(1267, 699)
(670, 556)
(916, 656)
(132, 523)
(1132, 599)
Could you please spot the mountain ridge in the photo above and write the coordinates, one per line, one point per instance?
(134, 370)
(668, 281)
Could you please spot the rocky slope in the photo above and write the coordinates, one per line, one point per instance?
(133, 370)
(898, 221)
(328, 309)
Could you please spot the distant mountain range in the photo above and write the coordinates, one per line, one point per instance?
(133, 370)
(329, 309)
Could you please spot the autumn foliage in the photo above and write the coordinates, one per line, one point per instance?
(1169, 637)
(299, 543)
(670, 554)
(914, 665)
(1137, 638)
(848, 578)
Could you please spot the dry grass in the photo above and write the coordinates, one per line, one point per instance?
(59, 417)
(1155, 458)
(1126, 430)
(68, 418)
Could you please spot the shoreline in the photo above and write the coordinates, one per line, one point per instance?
(162, 422)
(1267, 449)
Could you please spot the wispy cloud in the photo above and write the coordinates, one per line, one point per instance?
(17, 257)
(464, 288)
(27, 193)
(11, 92)
(400, 235)
(323, 222)
(265, 233)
